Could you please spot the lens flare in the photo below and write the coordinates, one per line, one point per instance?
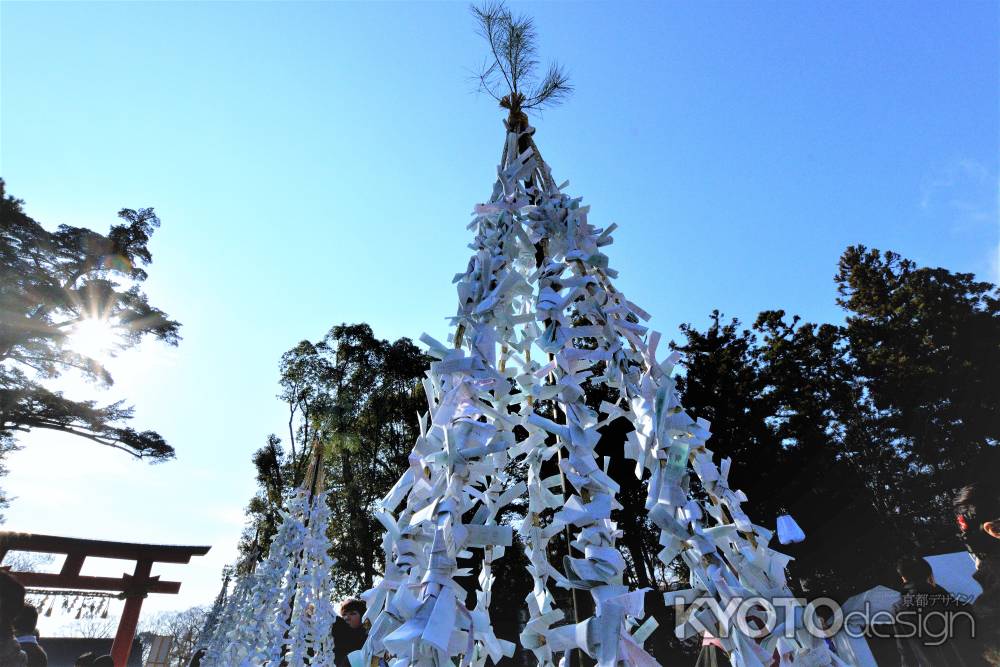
(94, 338)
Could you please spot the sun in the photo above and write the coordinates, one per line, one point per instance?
(94, 338)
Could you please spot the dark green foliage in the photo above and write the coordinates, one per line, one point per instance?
(926, 346)
(360, 395)
(50, 282)
(862, 431)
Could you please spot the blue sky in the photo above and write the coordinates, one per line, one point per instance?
(316, 163)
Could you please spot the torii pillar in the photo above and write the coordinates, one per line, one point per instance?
(133, 587)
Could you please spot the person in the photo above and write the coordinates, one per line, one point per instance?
(977, 513)
(349, 633)
(198, 656)
(11, 601)
(922, 611)
(26, 630)
(104, 661)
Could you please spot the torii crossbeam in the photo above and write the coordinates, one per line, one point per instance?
(133, 587)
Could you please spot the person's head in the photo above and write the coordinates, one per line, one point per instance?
(352, 610)
(916, 571)
(26, 620)
(977, 512)
(104, 661)
(85, 659)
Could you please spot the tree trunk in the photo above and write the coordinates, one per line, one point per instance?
(633, 542)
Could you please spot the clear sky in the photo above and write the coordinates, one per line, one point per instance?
(316, 163)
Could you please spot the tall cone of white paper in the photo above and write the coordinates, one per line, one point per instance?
(539, 326)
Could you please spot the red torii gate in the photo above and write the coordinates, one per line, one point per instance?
(133, 587)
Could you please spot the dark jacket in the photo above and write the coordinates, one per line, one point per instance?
(346, 640)
(925, 607)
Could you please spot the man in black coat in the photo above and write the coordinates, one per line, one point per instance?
(921, 621)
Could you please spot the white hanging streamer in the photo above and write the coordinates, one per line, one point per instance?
(283, 612)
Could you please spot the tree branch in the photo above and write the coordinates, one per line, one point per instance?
(89, 435)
